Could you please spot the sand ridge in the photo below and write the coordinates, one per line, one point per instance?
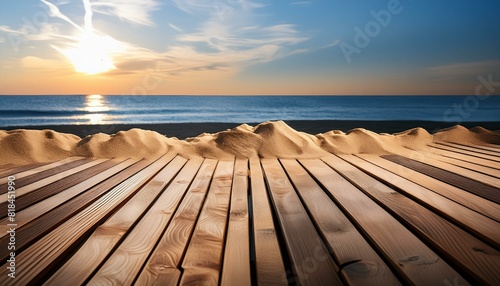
(266, 140)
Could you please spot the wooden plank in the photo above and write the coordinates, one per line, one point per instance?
(46, 191)
(458, 246)
(486, 147)
(493, 158)
(51, 249)
(133, 252)
(236, 266)
(304, 244)
(481, 226)
(19, 169)
(411, 258)
(478, 204)
(472, 186)
(359, 263)
(42, 174)
(202, 262)
(269, 266)
(43, 182)
(50, 220)
(162, 266)
(479, 173)
(466, 158)
(31, 172)
(474, 149)
(28, 214)
(495, 146)
(108, 235)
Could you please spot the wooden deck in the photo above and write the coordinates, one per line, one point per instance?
(361, 219)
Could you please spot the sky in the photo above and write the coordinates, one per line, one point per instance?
(250, 47)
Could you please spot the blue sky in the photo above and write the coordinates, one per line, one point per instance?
(248, 47)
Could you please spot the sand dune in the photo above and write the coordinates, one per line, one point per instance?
(266, 140)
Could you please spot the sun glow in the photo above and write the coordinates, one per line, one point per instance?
(93, 53)
(97, 107)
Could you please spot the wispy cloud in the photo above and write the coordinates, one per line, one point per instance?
(175, 28)
(228, 36)
(135, 11)
(466, 69)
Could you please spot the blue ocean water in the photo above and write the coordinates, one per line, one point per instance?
(97, 109)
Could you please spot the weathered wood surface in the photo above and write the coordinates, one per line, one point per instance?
(478, 204)
(104, 239)
(270, 269)
(236, 264)
(470, 185)
(470, 148)
(30, 173)
(485, 228)
(302, 240)
(457, 150)
(202, 261)
(360, 264)
(163, 267)
(45, 253)
(451, 241)
(465, 157)
(348, 219)
(411, 258)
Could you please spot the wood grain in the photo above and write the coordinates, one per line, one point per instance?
(466, 158)
(204, 252)
(18, 169)
(122, 267)
(34, 171)
(492, 158)
(363, 266)
(28, 214)
(472, 186)
(236, 264)
(162, 266)
(303, 242)
(460, 248)
(46, 252)
(476, 169)
(486, 147)
(474, 149)
(45, 181)
(412, 259)
(270, 269)
(476, 203)
(107, 236)
(475, 172)
(481, 226)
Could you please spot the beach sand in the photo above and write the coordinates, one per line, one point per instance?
(265, 140)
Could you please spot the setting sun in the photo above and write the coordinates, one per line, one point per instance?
(92, 54)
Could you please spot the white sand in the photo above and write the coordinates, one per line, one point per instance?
(267, 140)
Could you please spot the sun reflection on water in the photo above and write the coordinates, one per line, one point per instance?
(95, 104)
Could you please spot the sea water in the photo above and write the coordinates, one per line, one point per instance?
(98, 109)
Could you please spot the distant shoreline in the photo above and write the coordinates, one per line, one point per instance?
(185, 130)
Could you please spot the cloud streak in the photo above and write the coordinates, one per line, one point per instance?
(227, 36)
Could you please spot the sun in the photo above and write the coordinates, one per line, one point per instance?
(92, 53)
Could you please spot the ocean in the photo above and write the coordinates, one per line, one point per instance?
(97, 109)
